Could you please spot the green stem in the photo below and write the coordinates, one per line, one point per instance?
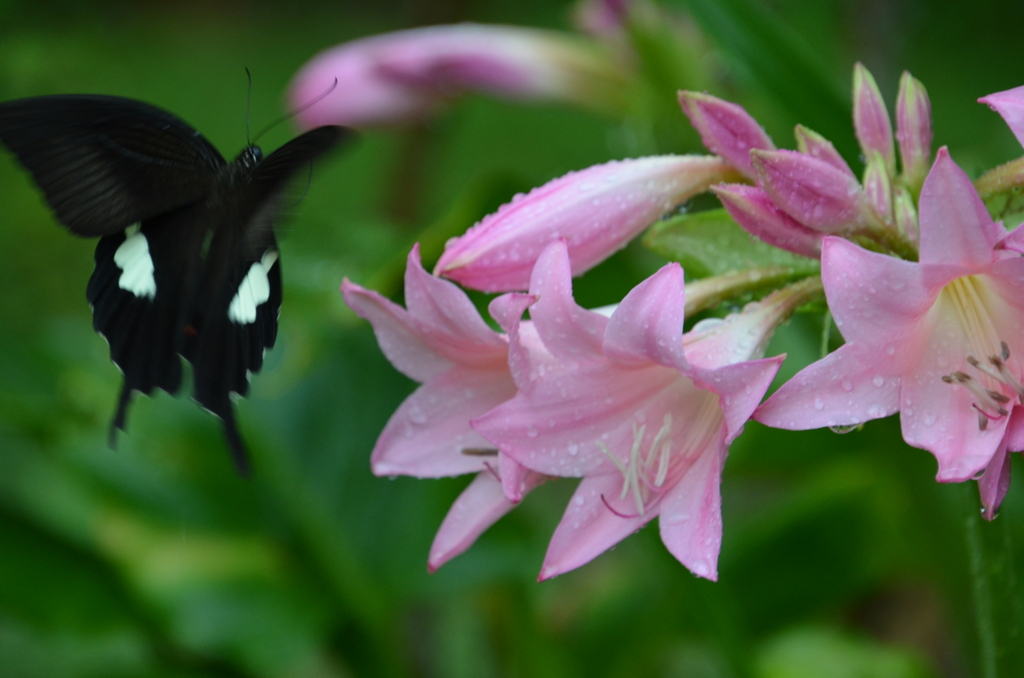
(826, 333)
(980, 587)
(710, 292)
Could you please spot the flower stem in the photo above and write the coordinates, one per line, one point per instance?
(996, 596)
(710, 292)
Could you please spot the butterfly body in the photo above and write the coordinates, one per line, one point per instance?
(187, 264)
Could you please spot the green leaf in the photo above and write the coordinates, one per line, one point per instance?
(777, 59)
(824, 653)
(712, 243)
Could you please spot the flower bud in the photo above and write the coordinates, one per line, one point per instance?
(407, 75)
(756, 213)
(914, 131)
(810, 190)
(726, 129)
(906, 214)
(871, 119)
(597, 211)
(878, 188)
(813, 144)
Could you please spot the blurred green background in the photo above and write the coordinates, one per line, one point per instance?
(841, 557)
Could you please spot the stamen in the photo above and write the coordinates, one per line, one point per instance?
(634, 469)
(987, 398)
(479, 451)
(612, 458)
(609, 507)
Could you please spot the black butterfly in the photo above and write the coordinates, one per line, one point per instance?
(187, 263)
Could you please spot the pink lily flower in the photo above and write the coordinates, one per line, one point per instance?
(597, 210)
(643, 414)
(408, 75)
(442, 342)
(940, 341)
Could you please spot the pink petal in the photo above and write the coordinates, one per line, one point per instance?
(517, 481)
(568, 331)
(955, 226)
(426, 435)
(1014, 240)
(726, 129)
(479, 506)
(754, 210)
(877, 301)
(940, 417)
(589, 527)
(841, 389)
(740, 387)
(448, 319)
(647, 327)
(810, 190)
(690, 518)
(1010, 105)
(815, 145)
(914, 129)
(994, 485)
(400, 338)
(597, 211)
(1015, 431)
(871, 119)
(528, 358)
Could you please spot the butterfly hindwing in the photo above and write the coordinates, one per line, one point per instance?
(104, 163)
(140, 291)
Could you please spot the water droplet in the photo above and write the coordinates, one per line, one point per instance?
(878, 381)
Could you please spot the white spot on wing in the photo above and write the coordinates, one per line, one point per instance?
(254, 290)
(132, 257)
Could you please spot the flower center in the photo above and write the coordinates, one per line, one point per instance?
(992, 378)
(647, 473)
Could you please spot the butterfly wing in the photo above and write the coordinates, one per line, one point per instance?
(236, 316)
(106, 162)
(140, 293)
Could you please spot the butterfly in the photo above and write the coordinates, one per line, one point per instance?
(187, 264)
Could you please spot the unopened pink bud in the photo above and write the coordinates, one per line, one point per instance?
(813, 144)
(597, 211)
(1010, 105)
(871, 119)
(914, 130)
(726, 129)
(906, 214)
(878, 188)
(754, 210)
(406, 75)
(810, 190)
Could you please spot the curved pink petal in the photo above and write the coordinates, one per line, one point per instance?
(589, 527)
(941, 417)
(449, 319)
(479, 506)
(841, 389)
(647, 326)
(1010, 105)
(994, 485)
(597, 211)
(427, 434)
(563, 425)
(690, 517)
(740, 387)
(876, 300)
(955, 226)
(1007, 279)
(516, 480)
(528, 358)
(399, 336)
(568, 331)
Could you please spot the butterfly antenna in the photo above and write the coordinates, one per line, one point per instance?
(300, 109)
(248, 105)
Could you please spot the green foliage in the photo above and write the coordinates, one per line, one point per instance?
(712, 243)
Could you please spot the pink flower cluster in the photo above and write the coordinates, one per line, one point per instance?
(926, 289)
(639, 410)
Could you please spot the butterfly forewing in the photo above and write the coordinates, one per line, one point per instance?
(105, 163)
